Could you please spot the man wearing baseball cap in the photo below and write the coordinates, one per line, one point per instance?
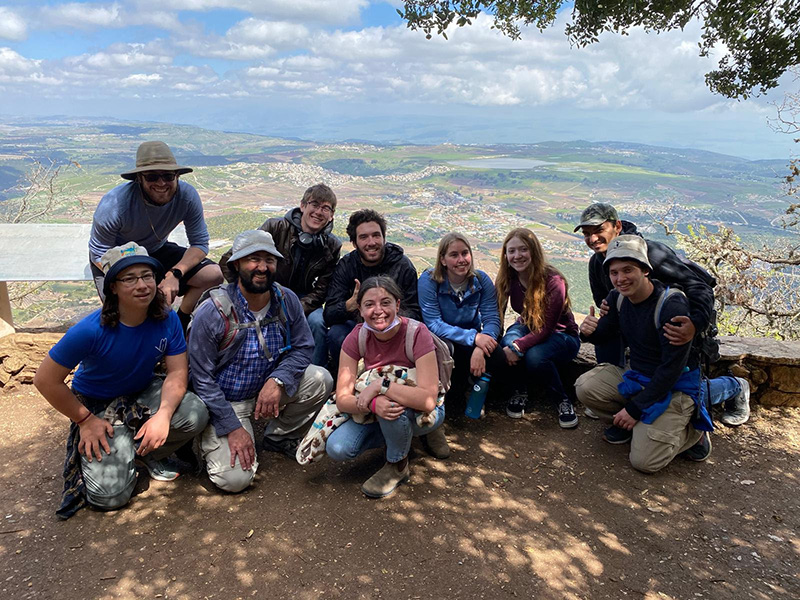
(120, 411)
(250, 351)
(600, 225)
(145, 210)
(658, 405)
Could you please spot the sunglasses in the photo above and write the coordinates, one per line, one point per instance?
(153, 177)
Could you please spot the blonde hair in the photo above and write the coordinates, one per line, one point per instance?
(439, 270)
(535, 302)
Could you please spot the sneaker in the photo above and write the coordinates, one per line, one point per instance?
(588, 412)
(567, 419)
(386, 480)
(435, 443)
(287, 446)
(617, 435)
(516, 405)
(737, 409)
(700, 451)
(160, 470)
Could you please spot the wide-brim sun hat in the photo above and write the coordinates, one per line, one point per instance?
(119, 258)
(252, 241)
(155, 156)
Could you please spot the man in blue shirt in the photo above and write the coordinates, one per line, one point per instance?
(145, 211)
(250, 350)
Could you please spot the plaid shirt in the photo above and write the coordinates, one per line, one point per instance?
(244, 376)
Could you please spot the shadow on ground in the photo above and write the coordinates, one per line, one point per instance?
(521, 509)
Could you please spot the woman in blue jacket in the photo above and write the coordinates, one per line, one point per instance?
(459, 304)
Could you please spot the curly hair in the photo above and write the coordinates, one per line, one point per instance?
(158, 309)
(439, 273)
(536, 299)
(365, 215)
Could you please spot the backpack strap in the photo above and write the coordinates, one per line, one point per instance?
(411, 329)
(362, 341)
(620, 298)
(668, 291)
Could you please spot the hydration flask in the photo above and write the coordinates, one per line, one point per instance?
(477, 396)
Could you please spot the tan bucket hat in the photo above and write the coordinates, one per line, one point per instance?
(154, 156)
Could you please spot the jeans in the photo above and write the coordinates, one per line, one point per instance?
(542, 360)
(336, 335)
(320, 333)
(351, 438)
(719, 389)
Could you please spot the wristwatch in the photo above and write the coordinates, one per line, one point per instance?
(385, 386)
(279, 382)
(177, 273)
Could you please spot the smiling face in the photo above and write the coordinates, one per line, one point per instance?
(378, 308)
(630, 279)
(158, 192)
(370, 243)
(257, 272)
(518, 255)
(135, 286)
(314, 216)
(457, 260)
(597, 237)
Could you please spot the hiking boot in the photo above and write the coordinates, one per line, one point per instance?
(588, 412)
(617, 435)
(700, 451)
(160, 470)
(287, 446)
(567, 419)
(516, 405)
(435, 443)
(386, 480)
(737, 409)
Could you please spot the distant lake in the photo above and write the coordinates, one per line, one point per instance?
(500, 163)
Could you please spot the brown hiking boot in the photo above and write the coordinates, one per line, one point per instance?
(386, 480)
(436, 443)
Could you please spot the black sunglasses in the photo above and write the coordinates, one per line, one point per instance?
(153, 177)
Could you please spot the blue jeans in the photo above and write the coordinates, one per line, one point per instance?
(351, 438)
(320, 333)
(336, 335)
(719, 389)
(542, 360)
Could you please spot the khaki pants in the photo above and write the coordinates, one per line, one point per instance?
(653, 446)
(295, 412)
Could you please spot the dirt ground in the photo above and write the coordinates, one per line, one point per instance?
(522, 509)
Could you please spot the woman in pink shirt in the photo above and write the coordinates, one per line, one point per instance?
(394, 405)
(545, 334)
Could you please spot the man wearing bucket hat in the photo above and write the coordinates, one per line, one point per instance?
(250, 350)
(146, 210)
(120, 411)
(600, 225)
(659, 404)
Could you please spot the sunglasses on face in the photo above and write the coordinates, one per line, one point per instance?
(153, 177)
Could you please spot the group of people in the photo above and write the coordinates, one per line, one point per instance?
(282, 317)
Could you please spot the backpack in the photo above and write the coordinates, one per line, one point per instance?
(224, 305)
(443, 356)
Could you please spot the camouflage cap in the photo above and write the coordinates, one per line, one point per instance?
(597, 214)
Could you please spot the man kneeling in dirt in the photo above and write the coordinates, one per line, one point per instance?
(250, 350)
(658, 404)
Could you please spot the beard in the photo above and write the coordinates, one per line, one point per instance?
(256, 288)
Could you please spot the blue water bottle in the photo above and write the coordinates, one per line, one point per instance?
(477, 396)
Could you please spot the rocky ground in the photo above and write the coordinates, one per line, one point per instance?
(521, 509)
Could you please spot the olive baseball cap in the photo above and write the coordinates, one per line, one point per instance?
(597, 214)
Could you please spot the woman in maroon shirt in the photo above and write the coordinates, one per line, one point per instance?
(545, 334)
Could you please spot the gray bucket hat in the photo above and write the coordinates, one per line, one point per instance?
(251, 241)
(631, 247)
(154, 156)
(597, 214)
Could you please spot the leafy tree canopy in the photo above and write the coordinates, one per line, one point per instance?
(762, 36)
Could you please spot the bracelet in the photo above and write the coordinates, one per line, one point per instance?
(372, 406)
(83, 419)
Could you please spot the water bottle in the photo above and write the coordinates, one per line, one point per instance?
(477, 396)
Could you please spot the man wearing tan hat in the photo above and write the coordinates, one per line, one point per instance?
(145, 211)
(250, 350)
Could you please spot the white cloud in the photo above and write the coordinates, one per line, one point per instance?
(140, 80)
(84, 15)
(316, 11)
(12, 27)
(13, 62)
(274, 33)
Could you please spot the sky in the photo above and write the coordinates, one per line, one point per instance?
(335, 70)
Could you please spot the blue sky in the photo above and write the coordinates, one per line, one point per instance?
(350, 69)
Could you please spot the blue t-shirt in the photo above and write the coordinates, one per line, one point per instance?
(116, 361)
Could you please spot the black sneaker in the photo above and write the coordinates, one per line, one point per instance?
(287, 446)
(617, 435)
(737, 409)
(516, 405)
(700, 451)
(567, 419)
